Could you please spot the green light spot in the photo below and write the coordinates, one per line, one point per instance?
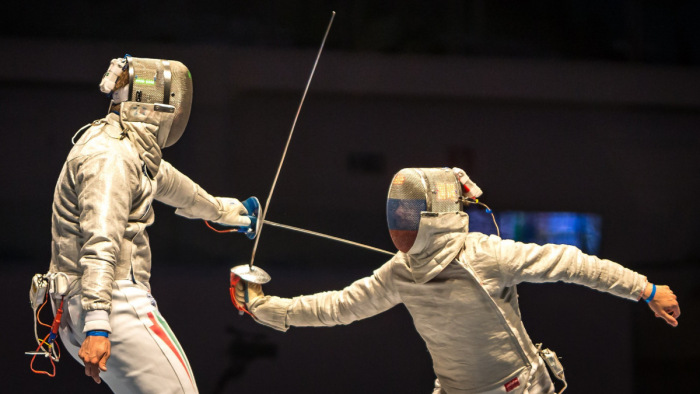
(143, 81)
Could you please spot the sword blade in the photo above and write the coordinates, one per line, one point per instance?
(317, 234)
(289, 139)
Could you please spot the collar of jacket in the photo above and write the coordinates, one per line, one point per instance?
(440, 238)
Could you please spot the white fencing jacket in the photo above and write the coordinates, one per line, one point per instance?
(459, 287)
(102, 207)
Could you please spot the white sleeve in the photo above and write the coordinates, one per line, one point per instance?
(363, 298)
(104, 186)
(520, 262)
(191, 200)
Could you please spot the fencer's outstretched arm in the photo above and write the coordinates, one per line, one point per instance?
(362, 299)
(192, 201)
(520, 262)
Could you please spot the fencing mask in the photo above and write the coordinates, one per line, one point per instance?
(416, 190)
(165, 83)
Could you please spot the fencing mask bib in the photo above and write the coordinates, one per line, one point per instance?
(416, 190)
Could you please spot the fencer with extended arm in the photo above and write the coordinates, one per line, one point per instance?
(471, 277)
(664, 304)
(470, 330)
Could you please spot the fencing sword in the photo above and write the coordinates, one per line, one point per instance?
(317, 234)
(251, 233)
(246, 271)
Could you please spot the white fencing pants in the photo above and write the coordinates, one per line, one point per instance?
(146, 356)
(536, 380)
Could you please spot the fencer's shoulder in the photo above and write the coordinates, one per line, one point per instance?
(399, 265)
(103, 154)
(395, 269)
(476, 242)
(477, 237)
(100, 139)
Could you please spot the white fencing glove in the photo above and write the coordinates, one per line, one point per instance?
(243, 216)
(233, 213)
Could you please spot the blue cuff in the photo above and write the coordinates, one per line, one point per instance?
(97, 333)
(651, 296)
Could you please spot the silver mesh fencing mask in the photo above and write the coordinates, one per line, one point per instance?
(165, 82)
(416, 190)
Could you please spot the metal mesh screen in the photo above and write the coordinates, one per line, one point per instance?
(443, 189)
(416, 190)
(147, 80)
(152, 79)
(408, 184)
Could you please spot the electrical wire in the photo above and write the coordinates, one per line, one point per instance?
(488, 210)
(52, 351)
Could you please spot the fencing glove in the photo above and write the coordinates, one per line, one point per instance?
(247, 292)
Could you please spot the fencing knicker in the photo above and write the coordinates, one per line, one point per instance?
(536, 380)
(146, 357)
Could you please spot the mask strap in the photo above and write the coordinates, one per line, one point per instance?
(167, 78)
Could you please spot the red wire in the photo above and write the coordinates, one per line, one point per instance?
(57, 321)
(232, 289)
(238, 306)
(217, 230)
(31, 364)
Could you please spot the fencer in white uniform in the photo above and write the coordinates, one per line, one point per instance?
(460, 288)
(102, 207)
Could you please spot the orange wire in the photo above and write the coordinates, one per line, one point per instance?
(217, 230)
(39, 311)
(43, 341)
(53, 365)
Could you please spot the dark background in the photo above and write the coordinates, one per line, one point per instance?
(586, 106)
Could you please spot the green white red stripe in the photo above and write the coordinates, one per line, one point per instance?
(162, 330)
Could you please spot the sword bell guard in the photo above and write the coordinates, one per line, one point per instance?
(251, 274)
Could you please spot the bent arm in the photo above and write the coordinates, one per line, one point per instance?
(103, 184)
(363, 298)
